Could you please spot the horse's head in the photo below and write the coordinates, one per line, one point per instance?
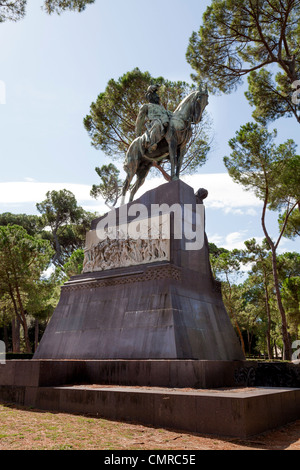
(200, 103)
(193, 105)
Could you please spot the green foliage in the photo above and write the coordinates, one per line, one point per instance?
(15, 10)
(62, 225)
(291, 300)
(270, 95)
(260, 287)
(23, 259)
(67, 221)
(226, 265)
(27, 292)
(58, 6)
(22, 256)
(109, 187)
(292, 229)
(269, 170)
(250, 37)
(260, 165)
(31, 223)
(251, 302)
(226, 268)
(215, 251)
(74, 265)
(42, 298)
(59, 207)
(289, 265)
(12, 10)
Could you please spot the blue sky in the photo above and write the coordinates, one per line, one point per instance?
(54, 67)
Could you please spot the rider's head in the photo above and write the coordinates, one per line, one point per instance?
(152, 95)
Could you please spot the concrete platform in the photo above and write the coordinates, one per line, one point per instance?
(191, 396)
(229, 412)
(233, 412)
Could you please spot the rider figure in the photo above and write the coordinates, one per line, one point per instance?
(157, 118)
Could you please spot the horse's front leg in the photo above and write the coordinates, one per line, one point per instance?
(180, 157)
(130, 167)
(125, 188)
(173, 158)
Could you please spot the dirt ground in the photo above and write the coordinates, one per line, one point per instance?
(29, 429)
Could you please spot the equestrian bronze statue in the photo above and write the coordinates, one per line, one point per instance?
(166, 136)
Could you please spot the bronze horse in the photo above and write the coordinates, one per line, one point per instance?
(172, 147)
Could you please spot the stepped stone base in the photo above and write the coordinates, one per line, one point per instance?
(151, 343)
(179, 395)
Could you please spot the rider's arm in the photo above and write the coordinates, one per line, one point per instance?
(140, 122)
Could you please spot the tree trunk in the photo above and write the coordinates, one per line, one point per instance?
(286, 341)
(15, 328)
(5, 336)
(276, 351)
(24, 322)
(57, 256)
(270, 353)
(249, 342)
(285, 336)
(15, 325)
(240, 335)
(36, 334)
(233, 316)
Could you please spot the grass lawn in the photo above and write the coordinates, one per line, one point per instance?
(28, 429)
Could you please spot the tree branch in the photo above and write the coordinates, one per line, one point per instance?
(288, 213)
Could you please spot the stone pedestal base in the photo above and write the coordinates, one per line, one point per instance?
(156, 311)
(165, 309)
(193, 396)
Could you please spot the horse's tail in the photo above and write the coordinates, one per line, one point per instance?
(134, 154)
(133, 157)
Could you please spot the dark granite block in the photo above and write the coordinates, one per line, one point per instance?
(162, 310)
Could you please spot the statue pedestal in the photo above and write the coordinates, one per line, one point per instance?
(155, 308)
(151, 341)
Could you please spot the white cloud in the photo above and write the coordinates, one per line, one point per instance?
(216, 239)
(223, 193)
(233, 211)
(28, 191)
(233, 240)
(285, 245)
(29, 179)
(15, 195)
(99, 207)
(251, 212)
